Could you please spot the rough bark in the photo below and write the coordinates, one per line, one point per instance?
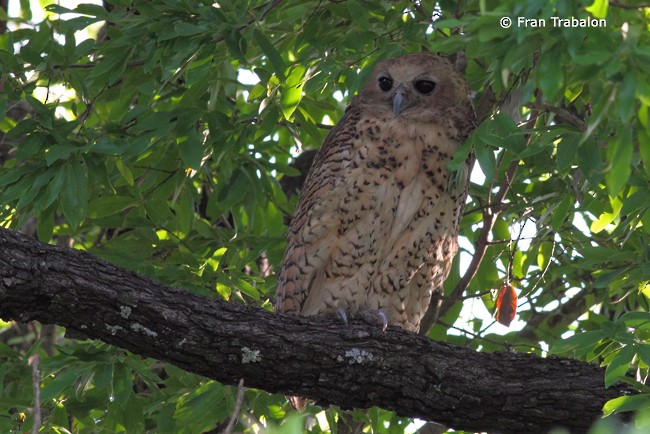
(353, 367)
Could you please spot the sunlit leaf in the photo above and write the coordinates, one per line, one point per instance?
(606, 218)
(292, 91)
(625, 403)
(598, 8)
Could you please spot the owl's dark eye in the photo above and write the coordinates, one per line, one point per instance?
(425, 86)
(385, 83)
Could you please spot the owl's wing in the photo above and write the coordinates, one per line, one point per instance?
(326, 217)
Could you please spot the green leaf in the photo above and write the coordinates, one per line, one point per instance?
(37, 187)
(619, 365)
(566, 151)
(109, 147)
(636, 319)
(105, 206)
(258, 91)
(486, 159)
(544, 254)
(62, 382)
(74, 194)
(619, 155)
(133, 414)
(207, 401)
(461, 154)
(59, 152)
(606, 218)
(358, 13)
(626, 98)
(292, 91)
(236, 44)
(581, 343)
(52, 191)
(643, 351)
(126, 173)
(188, 29)
(550, 77)
(644, 150)
(191, 149)
(624, 404)
(45, 227)
(184, 209)
(248, 289)
(562, 212)
(598, 8)
(271, 53)
(92, 10)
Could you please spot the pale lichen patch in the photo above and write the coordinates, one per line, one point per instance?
(137, 327)
(113, 329)
(125, 312)
(250, 356)
(355, 355)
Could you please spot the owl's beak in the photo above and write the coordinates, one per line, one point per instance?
(400, 100)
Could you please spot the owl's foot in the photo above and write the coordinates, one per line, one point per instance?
(374, 317)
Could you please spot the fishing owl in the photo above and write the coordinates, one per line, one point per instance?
(376, 226)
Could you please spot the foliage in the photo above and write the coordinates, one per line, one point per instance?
(157, 142)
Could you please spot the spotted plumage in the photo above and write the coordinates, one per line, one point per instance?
(376, 226)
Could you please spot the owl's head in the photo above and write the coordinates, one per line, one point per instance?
(421, 87)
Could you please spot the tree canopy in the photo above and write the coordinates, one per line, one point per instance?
(161, 135)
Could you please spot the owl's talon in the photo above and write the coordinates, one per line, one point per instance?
(372, 317)
(342, 315)
(384, 320)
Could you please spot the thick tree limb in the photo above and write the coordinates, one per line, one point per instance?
(353, 367)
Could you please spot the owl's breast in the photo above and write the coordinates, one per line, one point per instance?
(405, 150)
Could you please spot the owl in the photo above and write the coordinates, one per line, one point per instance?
(376, 226)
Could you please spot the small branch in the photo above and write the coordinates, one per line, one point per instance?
(490, 215)
(562, 113)
(93, 64)
(624, 6)
(36, 386)
(564, 314)
(237, 409)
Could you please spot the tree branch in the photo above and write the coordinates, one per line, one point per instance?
(564, 314)
(353, 367)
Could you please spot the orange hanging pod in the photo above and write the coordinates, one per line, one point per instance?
(506, 305)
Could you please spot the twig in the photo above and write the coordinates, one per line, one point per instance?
(489, 219)
(623, 6)
(93, 64)
(561, 112)
(36, 385)
(237, 409)
(541, 276)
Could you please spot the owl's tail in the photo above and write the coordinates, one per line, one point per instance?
(297, 402)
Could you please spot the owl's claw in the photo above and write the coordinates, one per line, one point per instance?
(384, 320)
(372, 317)
(342, 315)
